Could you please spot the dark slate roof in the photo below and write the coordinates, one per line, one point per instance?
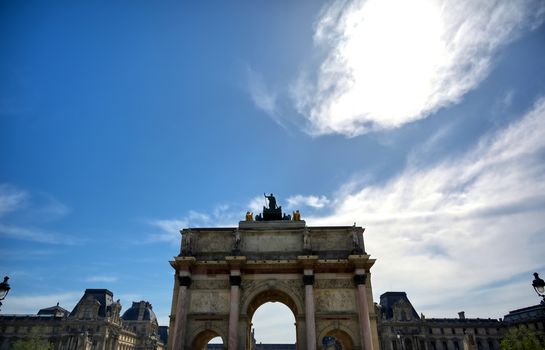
(103, 296)
(163, 334)
(139, 311)
(526, 314)
(388, 299)
(54, 311)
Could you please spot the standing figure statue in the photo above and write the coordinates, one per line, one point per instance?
(306, 241)
(236, 242)
(272, 201)
(186, 242)
(356, 247)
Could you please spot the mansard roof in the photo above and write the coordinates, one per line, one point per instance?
(54, 311)
(103, 296)
(389, 299)
(139, 311)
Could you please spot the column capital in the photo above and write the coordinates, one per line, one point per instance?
(184, 281)
(235, 280)
(360, 278)
(308, 280)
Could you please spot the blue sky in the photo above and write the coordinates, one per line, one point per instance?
(422, 121)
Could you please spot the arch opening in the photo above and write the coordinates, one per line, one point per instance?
(337, 339)
(272, 314)
(207, 339)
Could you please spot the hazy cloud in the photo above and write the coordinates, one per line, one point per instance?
(11, 198)
(264, 97)
(37, 235)
(391, 62)
(102, 279)
(169, 229)
(31, 304)
(473, 220)
(317, 202)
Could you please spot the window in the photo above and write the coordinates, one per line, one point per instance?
(433, 346)
(456, 345)
(442, 331)
(394, 345)
(453, 331)
(445, 346)
(490, 345)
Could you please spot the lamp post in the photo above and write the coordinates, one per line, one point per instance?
(4, 289)
(400, 340)
(539, 287)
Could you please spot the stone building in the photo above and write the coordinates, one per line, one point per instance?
(94, 324)
(401, 328)
(322, 274)
(532, 317)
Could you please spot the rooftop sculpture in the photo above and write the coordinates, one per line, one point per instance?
(273, 212)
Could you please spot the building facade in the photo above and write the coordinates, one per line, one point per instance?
(95, 323)
(322, 274)
(401, 328)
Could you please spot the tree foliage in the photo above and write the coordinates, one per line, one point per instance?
(522, 338)
(35, 342)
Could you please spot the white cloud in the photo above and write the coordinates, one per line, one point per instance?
(102, 279)
(31, 304)
(37, 235)
(391, 62)
(11, 198)
(221, 215)
(310, 201)
(453, 228)
(262, 96)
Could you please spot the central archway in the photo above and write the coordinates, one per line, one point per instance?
(275, 293)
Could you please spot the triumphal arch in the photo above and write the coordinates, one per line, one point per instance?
(224, 274)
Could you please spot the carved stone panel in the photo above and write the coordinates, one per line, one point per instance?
(335, 300)
(208, 301)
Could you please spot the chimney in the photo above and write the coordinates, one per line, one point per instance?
(462, 315)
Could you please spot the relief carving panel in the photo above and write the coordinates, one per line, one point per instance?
(206, 301)
(334, 300)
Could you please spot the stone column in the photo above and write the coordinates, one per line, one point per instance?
(234, 280)
(181, 312)
(363, 310)
(308, 280)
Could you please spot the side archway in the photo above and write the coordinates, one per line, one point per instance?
(201, 339)
(341, 336)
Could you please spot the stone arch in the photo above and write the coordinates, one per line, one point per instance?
(341, 334)
(203, 335)
(271, 291)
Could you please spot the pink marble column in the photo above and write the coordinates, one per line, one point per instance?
(181, 313)
(363, 311)
(308, 280)
(234, 280)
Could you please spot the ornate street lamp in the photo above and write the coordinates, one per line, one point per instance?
(4, 289)
(539, 286)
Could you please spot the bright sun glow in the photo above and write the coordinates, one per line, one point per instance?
(390, 62)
